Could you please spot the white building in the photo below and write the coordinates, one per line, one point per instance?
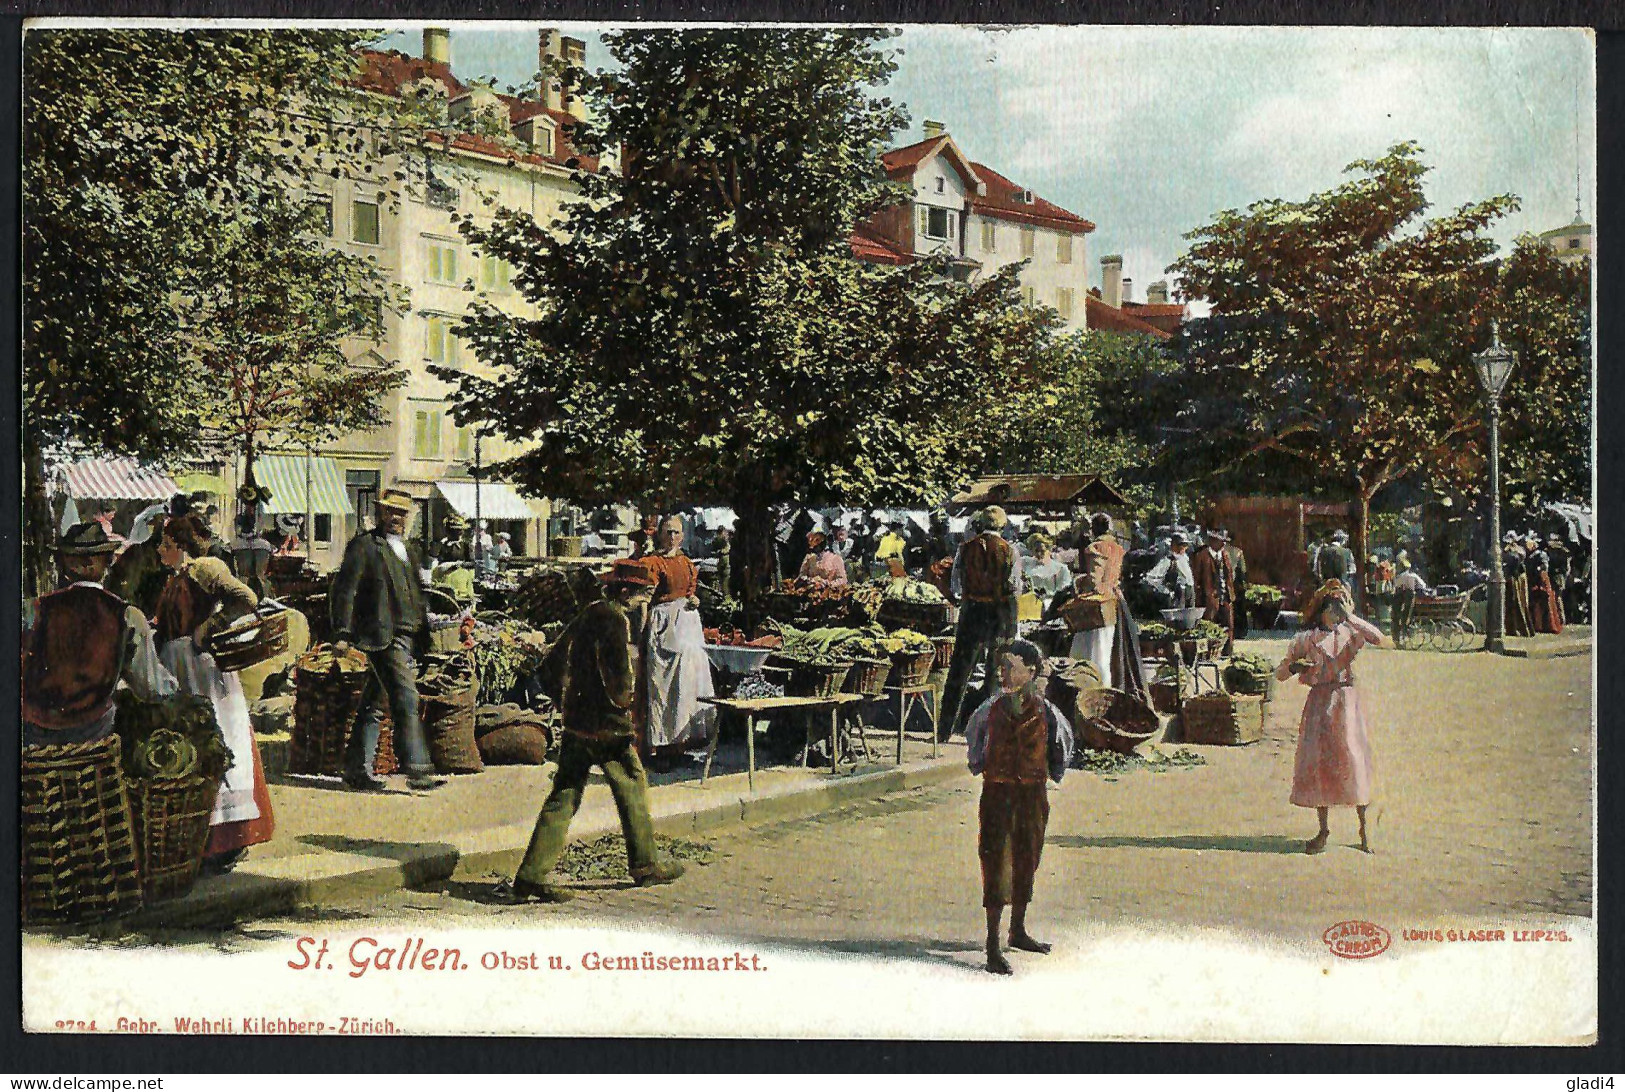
(421, 450)
(1571, 243)
(982, 221)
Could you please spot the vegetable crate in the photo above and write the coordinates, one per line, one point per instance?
(1224, 719)
(78, 847)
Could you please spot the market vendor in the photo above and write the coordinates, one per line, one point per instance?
(85, 640)
(1214, 576)
(1174, 571)
(643, 539)
(1045, 574)
(822, 563)
(677, 671)
(987, 582)
(451, 546)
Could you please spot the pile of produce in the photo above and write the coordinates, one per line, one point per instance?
(814, 591)
(1264, 595)
(1156, 631)
(1110, 764)
(503, 653)
(1171, 673)
(730, 637)
(1206, 630)
(913, 591)
(907, 640)
(170, 738)
(867, 599)
(756, 685)
(605, 858)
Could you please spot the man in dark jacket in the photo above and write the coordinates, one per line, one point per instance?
(1215, 578)
(590, 670)
(987, 581)
(377, 606)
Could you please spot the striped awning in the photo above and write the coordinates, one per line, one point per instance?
(116, 480)
(285, 476)
(497, 500)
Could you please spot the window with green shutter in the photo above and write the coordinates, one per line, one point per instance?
(426, 435)
(364, 222)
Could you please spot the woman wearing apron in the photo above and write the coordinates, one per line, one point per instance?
(201, 598)
(677, 672)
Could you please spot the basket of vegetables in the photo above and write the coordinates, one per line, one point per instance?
(816, 676)
(1250, 674)
(1209, 637)
(1169, 687)
(1264, 604)
(1156, 638)
(913, 605)
(912, 654)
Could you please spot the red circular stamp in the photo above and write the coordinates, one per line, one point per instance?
(1357, 939)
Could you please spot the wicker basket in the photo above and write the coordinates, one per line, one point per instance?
(252, 639)
(927, 618)
(1085, 612)
(867, 677)
(1224, 719)
(324, 712)
(1165, 697)
(945, 652)
(565, 545)
(78, 847)
(912, 668)
(171, 817)
(1110, 720)
(816, 680)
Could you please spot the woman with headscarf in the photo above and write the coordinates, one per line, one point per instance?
(1545, 615)
(1333, 763)
(677, 672)
(822, 563)
(202, 598)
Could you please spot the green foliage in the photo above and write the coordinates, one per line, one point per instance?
(702, 333)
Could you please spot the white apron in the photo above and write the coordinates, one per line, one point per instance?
(1095, 645)
(197, 674)
(679, 675)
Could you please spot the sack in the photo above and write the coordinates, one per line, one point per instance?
(517, 744)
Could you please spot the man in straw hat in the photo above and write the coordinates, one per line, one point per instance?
(986, 581)
(377, 605)
(1215, 578)
(83, 641)
(590, 672)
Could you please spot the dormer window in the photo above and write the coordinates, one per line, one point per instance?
(1027, 197)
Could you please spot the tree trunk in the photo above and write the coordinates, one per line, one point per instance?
(1362, 516)
(38, 571)
(755, 561)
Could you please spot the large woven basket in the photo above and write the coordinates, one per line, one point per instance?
(1224, 719)
(79, 858)
(927, 618)
(1085, 612)
(867, 677)
(1110, 720)
(324, 712)
(912, 668)
(252, 639)
(816, 680)
(171, 818)
(1165, 697)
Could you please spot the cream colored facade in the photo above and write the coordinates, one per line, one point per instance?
(1056, 261)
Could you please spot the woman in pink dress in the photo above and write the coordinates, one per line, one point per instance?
(1333, 764)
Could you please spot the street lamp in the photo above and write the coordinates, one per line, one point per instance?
(1494, 367)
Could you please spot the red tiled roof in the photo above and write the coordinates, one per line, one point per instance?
(388, 73)
(870, 246)
(1155, 308)
(902, 161)
(1102, 316)
(1003, 200)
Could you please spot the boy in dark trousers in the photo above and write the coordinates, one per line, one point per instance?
(1016, 740)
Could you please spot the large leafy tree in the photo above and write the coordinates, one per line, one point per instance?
(1339, 345)
(701, 333)
(163, 171)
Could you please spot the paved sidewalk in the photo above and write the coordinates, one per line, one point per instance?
(336, 846)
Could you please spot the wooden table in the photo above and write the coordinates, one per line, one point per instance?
(751, 707)
(906, 697)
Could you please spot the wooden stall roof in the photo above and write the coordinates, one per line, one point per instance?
(1038, 493)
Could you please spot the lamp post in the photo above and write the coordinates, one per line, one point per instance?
(1494, 367)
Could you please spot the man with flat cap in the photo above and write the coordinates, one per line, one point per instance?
(85, 640)
(377, 605)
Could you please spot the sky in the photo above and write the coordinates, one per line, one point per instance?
(1149, 131)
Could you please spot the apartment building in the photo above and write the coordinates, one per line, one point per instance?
(981, 221)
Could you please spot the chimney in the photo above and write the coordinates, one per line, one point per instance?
(575, 55)
(933, 129)
(1156, 292)
(549, 51)
(437, 45)
(1128, 292)
(1111, 280)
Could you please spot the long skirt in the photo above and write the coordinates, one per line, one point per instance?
(1095, 645)
(242, 810)
(1517, 607)
(678, 674)
(1333, 763)
(1545, 613)
(1010, 840)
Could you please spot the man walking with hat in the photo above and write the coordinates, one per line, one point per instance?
(377, 606)
(1214, 576)
(1335, 561)
(987, 582)
(590, 671)
(83, 641)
